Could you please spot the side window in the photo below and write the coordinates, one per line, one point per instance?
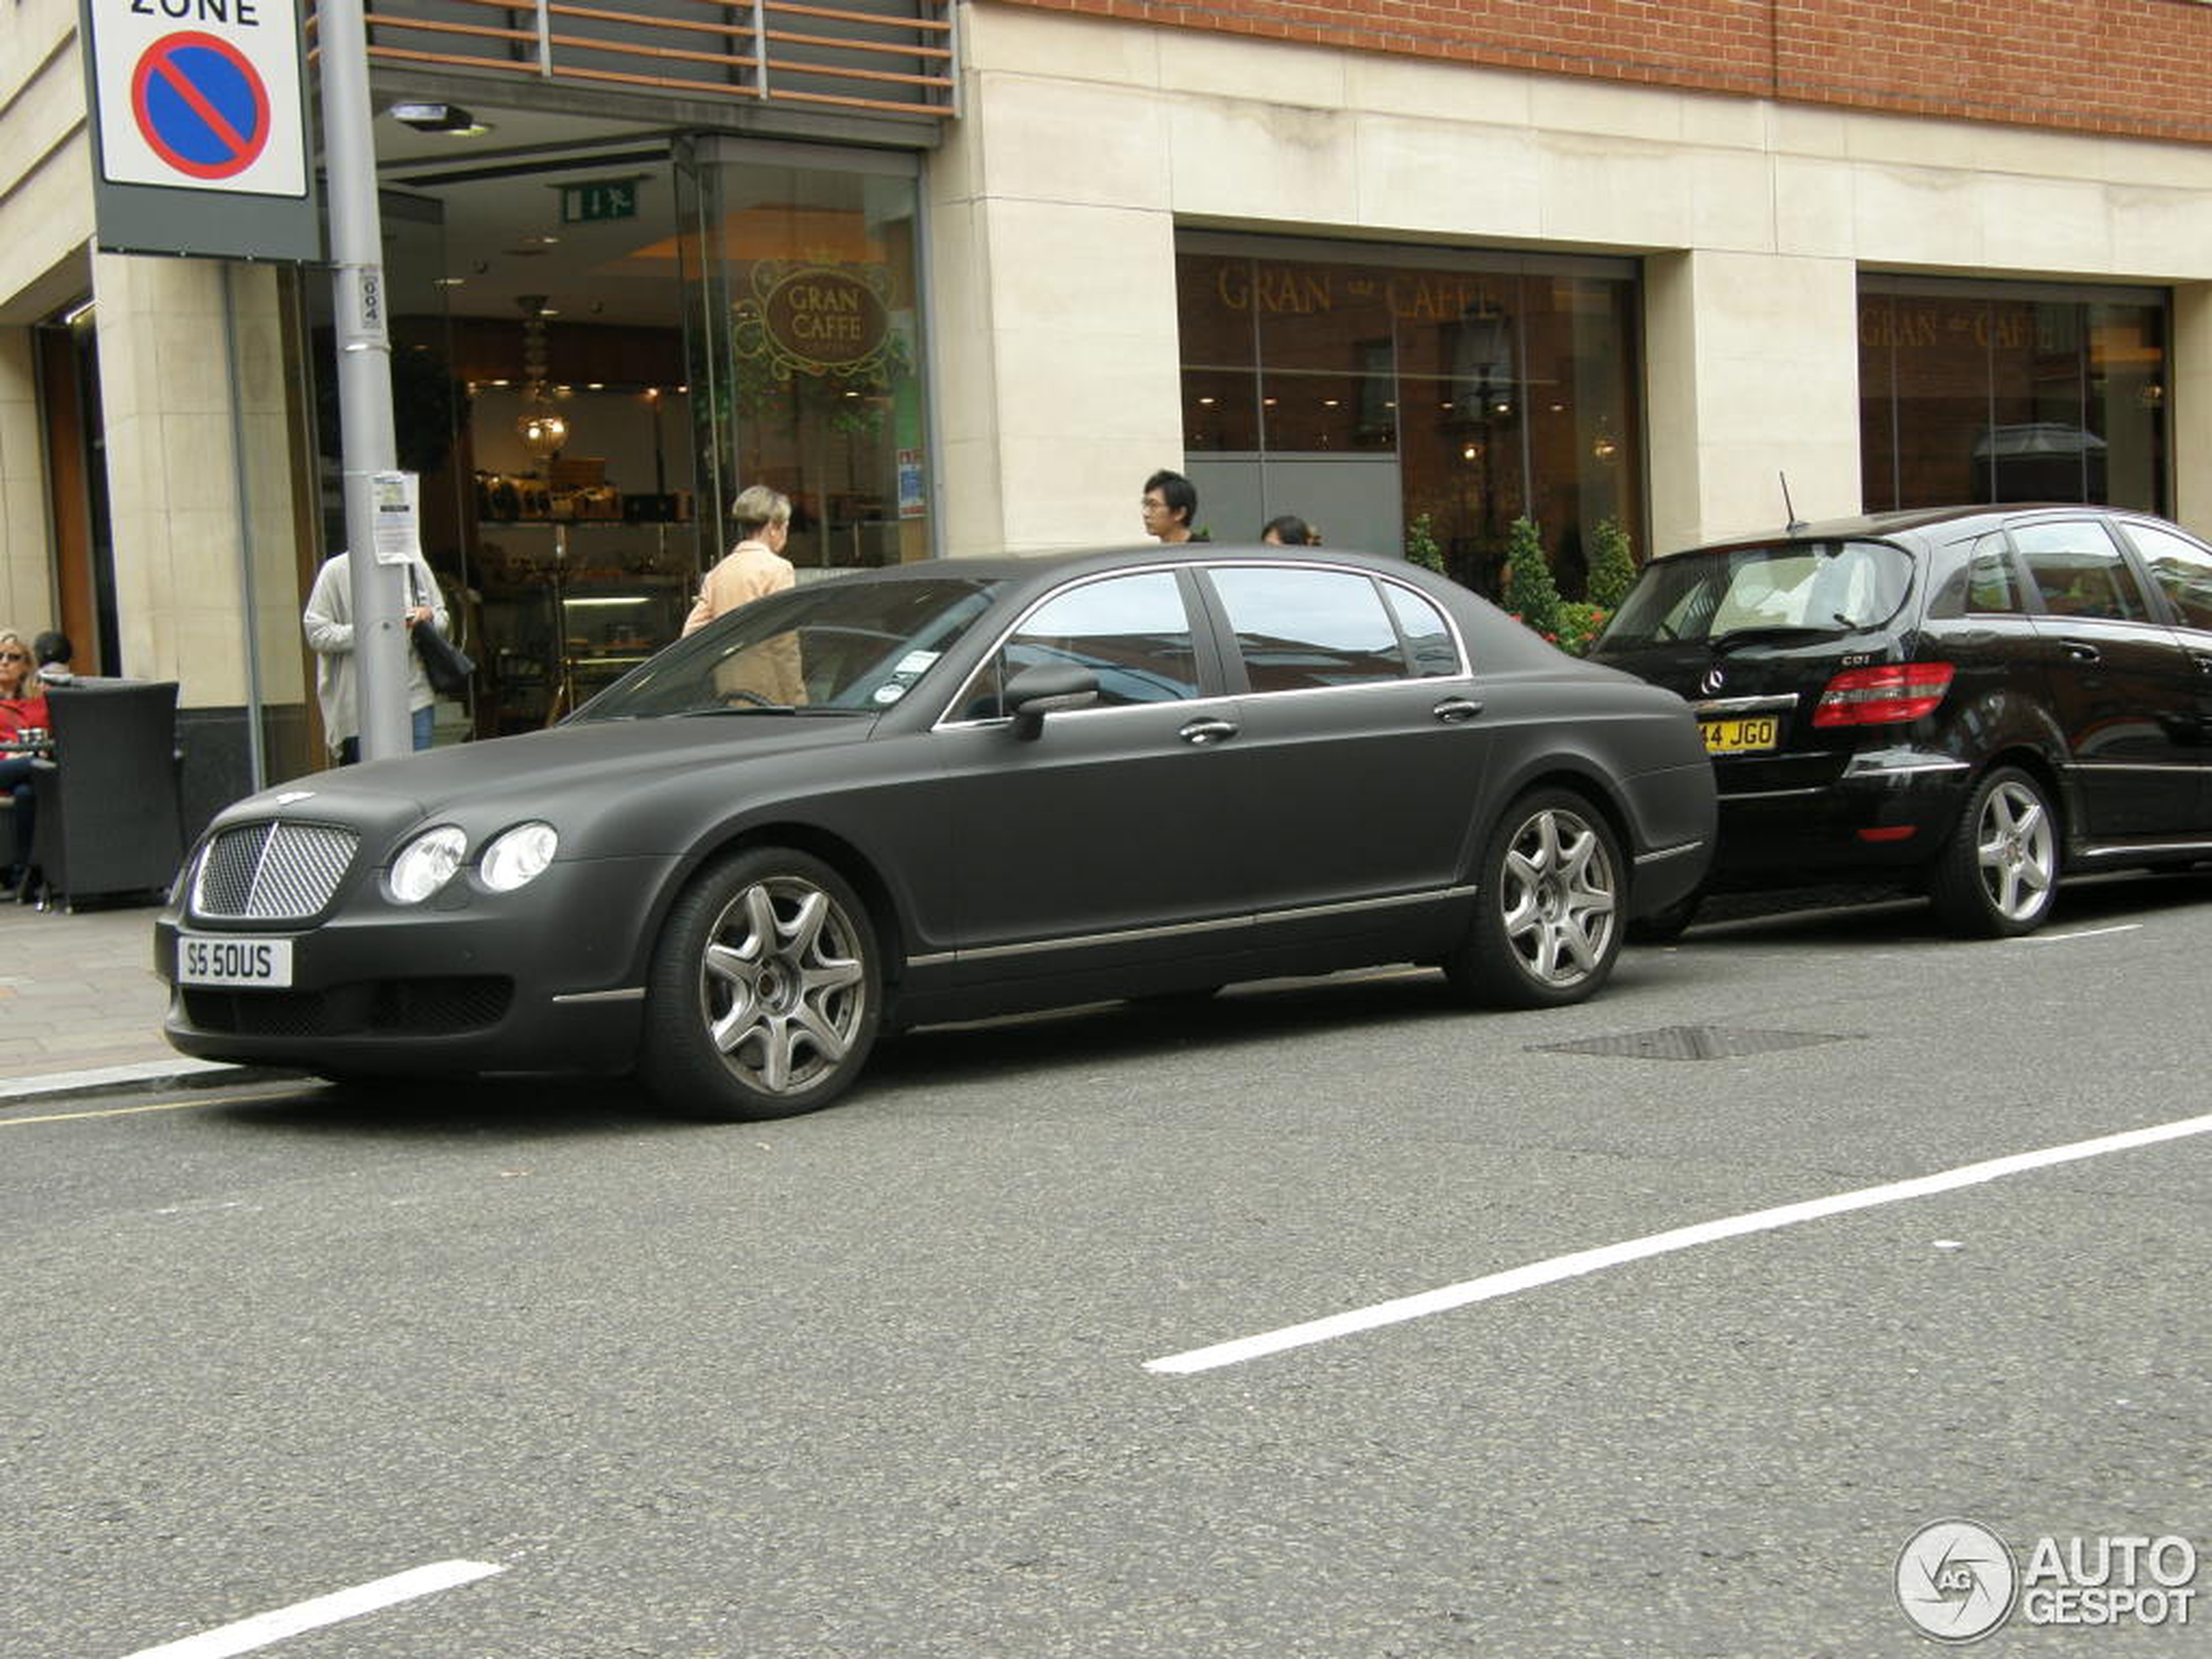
(1132, 631)
(1298, 630)
(1982, 583)
(2182, 568)
(1427, 635)
(2079, 572)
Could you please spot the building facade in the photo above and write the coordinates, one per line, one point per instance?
(957, 278)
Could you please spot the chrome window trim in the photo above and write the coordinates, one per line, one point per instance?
(944, 722)
(627, 994)
(1773, 794)
(997, 720)
(1452, 622)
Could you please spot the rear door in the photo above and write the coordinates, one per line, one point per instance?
(1360, 743)
(2122, 686)
(2181, 569)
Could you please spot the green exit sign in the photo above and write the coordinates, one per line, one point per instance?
(602, 199)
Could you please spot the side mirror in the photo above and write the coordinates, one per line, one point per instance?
(1035, 692)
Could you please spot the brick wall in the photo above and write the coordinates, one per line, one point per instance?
(2141, 68)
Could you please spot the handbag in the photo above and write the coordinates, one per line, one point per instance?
(444, 663)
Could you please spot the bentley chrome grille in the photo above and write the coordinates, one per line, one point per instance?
(273, 872)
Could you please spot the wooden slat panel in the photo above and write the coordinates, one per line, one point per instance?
(690, 28)
(626, 49)
(936, 24)
(384, 20)
(599, 14)
(787, 66)
(407, 55)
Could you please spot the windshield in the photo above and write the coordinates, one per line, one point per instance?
(840, 646)
(1789, 590)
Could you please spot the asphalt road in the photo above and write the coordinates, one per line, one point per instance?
(876, 1382)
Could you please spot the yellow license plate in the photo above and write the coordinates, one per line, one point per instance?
(1750, 736)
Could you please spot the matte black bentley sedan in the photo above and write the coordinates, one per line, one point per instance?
(1970, 699)
(1009, 784)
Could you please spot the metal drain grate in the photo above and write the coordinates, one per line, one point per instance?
(1693, 1042)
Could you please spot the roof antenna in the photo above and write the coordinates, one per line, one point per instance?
(1796, 524)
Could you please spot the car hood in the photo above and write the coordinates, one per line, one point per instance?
(575, 775)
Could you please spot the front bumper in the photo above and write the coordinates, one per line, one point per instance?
(548, 978)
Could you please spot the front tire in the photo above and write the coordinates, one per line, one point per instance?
(1547, 922)
(765, 991)
(1998, 875)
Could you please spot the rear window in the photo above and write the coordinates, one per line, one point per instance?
(1825, 587)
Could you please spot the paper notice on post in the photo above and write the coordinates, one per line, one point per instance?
(398, 528)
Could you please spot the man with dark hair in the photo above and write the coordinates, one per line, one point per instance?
(1170, 507)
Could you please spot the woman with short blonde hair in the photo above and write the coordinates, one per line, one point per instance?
(769, 673)
(757, 509)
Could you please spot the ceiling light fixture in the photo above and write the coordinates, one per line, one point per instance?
(449, 118)
(541, 428)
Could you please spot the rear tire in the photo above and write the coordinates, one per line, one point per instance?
(1998, 875)
(1547, 927)
(765, 991)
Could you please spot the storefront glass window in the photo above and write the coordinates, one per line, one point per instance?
(1363, 393)
(1989, 393)
(807, 375)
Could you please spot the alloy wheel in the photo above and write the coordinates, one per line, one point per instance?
(2014, 850)
(782, 985)
(1558, 897)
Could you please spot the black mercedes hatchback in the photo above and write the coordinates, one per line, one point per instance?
(1968, 700)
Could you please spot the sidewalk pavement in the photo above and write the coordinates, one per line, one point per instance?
(81, 1009)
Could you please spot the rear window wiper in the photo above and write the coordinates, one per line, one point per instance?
(1779, 634)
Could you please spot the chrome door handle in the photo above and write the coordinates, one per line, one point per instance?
(2082, 650)
(1452, 710)
(1202, 732)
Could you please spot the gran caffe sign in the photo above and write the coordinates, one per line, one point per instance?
(1314, 290)
(815, 318)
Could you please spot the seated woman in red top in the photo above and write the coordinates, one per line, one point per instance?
(23, 723)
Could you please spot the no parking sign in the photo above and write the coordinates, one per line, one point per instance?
(200, 127)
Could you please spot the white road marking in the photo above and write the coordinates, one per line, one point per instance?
(2087, 933)
(264, 1628)
(1635, 1249)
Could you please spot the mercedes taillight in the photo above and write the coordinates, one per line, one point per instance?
(1882, 696)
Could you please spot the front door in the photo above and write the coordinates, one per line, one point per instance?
(1112, 835)
(2122, 683)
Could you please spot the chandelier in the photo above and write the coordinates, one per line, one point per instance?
(541, 427)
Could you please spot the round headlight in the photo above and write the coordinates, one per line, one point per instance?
(518, 857)
(427, 863)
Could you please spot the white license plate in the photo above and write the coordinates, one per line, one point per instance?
(204, 959)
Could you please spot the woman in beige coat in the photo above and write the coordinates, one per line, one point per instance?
(752, 569)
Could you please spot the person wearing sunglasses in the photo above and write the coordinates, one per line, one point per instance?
(24, 720)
